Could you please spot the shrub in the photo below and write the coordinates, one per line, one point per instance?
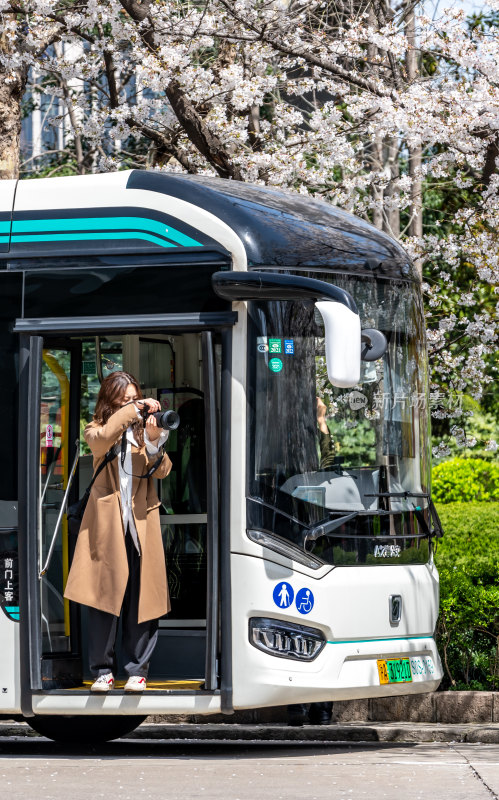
(462, 480)
(468, 626)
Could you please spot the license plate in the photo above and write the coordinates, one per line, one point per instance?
(394, 670)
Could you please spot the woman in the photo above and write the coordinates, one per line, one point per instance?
(119, 564)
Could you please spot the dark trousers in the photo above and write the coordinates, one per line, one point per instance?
(317, 713)
(138, 640)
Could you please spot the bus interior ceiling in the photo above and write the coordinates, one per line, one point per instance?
(169, 367)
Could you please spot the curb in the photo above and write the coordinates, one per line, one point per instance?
(433, 708)
(350, 732)
(354, 732)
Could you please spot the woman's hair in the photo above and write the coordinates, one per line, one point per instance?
(109, 400)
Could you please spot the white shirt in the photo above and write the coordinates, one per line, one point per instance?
(126, 478)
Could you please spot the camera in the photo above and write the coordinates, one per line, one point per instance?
(168, 420)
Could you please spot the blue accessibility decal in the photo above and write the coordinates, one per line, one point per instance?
(304, 601)
(283, 595)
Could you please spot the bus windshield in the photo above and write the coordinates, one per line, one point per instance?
(369, 454)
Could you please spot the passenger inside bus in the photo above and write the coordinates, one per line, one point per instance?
(118, 568)
(326, 443)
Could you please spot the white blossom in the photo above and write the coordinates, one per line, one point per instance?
(288, 103)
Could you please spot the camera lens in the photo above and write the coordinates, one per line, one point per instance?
(169, 420)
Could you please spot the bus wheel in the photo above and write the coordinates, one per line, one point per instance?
(84, 729)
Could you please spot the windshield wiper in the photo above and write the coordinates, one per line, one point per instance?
(325, 528)
(398, 494)
(436, 530)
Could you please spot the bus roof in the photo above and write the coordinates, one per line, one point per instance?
(149, 212)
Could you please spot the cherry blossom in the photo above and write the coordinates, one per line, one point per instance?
(380, 109)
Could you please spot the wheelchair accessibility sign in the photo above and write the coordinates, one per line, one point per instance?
(304, 601)
(284, 595)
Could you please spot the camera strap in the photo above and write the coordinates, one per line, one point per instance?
(107, 458)
(149, 472)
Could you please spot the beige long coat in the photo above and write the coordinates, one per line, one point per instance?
(99, 571)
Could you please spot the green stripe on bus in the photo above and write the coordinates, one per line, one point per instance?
(104, 223)
(390, 639)
(5, 226)
(74, 237)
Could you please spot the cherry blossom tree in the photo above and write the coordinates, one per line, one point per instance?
(381, 109)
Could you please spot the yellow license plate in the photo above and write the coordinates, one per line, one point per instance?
(394, 670)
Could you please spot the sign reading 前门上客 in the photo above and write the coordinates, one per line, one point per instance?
(9, 575)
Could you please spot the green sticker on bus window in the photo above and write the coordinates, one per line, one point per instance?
(275, 346)
(275, 364)
(89, 368)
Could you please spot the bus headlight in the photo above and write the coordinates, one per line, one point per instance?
(285, 639)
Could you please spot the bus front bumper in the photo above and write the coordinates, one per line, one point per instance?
(344, 670)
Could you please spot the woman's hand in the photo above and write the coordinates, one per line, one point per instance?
(149, 402)
(151, 426)
(153, 432)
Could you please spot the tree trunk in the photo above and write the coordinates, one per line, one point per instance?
(12, 87)
(376, 154)
(416, 221)
(391, 218)
(415, 152)
(377, 191)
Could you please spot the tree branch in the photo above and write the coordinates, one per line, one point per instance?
(114, 98)
(490, 165)
(208, 143)
(164, 143)
(348, 75)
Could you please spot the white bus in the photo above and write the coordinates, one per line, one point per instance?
(299, 556)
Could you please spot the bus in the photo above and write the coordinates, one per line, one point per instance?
(297, 521)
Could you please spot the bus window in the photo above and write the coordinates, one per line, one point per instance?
(184, 501)
(54, 471)
(171, 365)
(377, 429)
(100, 356)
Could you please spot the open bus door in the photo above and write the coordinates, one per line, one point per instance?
(59, 383)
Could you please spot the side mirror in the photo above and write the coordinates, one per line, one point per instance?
(374, 344)
(346, 344)
(343, 343)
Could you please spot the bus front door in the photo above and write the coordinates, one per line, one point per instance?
(182, 370)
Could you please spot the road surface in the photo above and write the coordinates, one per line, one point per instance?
(37, 769)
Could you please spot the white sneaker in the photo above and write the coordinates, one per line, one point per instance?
(104, 683)
(135, 683)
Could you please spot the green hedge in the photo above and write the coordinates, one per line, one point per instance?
(461, 480)
(468, 627)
